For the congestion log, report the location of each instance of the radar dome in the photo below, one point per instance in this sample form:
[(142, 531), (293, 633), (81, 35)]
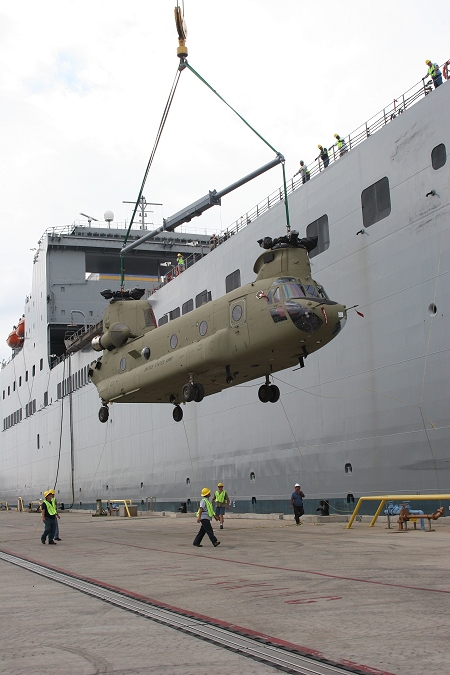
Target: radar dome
[(109, 216)]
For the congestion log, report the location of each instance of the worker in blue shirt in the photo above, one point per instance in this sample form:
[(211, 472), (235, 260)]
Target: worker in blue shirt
[(297, 503)]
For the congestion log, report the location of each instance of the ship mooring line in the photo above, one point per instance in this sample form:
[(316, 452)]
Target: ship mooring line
[(279, 654)]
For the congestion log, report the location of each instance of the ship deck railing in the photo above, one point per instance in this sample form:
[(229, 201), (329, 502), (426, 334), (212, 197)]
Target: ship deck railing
[(386, 498), (363, 132)]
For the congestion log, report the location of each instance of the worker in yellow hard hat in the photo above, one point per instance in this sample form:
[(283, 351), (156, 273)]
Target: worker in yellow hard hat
[(323, 156), (180, 262), (341, 145), (434, 73), (204, 516), (49, 516), (222, 502)]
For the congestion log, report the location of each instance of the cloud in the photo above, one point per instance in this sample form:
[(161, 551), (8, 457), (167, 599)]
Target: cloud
[(65, 73)]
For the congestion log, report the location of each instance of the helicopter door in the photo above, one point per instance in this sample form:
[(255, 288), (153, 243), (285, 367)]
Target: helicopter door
[(238, 322)]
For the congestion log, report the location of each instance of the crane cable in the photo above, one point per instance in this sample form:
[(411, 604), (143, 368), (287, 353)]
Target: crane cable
[(184, 63), (150, 161)]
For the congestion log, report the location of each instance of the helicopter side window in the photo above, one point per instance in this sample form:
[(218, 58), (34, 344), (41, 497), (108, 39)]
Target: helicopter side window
[(311, 291), (293, 291), (276, 297)]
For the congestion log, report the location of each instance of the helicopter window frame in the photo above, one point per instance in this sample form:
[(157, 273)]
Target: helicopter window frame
[(235, 322), (123, 363), (203, 328), (173, 341), (287, 291), (319, 228)]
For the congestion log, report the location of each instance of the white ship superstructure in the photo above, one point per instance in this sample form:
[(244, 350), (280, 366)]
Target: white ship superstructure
[(368, 414)]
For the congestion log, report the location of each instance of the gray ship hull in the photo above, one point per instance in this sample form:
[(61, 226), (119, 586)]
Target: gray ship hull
[(369, 414)]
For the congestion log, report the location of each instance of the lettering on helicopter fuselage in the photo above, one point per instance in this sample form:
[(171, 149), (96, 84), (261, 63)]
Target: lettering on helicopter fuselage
[(160, 363)]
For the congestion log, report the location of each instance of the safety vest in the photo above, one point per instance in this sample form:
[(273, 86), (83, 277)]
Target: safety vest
[(54, 504), (339, 143), (51, 509), (220, 496), (209, 508), (180, 261)]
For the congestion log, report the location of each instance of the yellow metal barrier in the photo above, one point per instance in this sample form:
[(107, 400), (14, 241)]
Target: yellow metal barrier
[(125, 502), (387, 498), (5, 504), (20, 504)]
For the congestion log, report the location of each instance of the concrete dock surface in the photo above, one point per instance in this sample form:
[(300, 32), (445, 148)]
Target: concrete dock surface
[(371, 599)]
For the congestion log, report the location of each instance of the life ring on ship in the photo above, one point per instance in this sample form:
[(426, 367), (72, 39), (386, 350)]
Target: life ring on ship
[(445, 69)]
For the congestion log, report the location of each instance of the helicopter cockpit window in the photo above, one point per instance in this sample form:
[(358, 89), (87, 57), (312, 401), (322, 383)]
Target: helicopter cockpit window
[(276, 295), (293, 291), (311, 291)]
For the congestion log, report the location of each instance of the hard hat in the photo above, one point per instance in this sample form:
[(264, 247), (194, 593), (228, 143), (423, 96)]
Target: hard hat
[(206, 492), (297, 485), (47, 493), (178, 253), (336, 135), (428, 61), (320, 147), (219, 484)]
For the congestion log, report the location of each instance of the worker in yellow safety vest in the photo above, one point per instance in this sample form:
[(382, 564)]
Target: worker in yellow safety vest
[(222, 502), (49, 516), (434, 73), (341, 145), (180, 262), (204, 516)]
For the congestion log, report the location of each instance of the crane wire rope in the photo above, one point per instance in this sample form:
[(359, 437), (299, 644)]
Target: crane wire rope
[(149, 164), (187, 65)]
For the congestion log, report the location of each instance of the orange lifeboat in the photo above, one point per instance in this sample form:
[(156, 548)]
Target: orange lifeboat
[(20, 330), (13, 340)]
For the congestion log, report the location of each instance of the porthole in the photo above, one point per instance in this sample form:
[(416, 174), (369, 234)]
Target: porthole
[(146, 353), (203, 328), (174, 341), (188, 481), (432, 309), (252, 475), (348, 468), (237, 312), (123, 364), (350, 499)]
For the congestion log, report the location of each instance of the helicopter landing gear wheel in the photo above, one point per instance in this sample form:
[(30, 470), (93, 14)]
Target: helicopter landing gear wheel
[(103, 414), (177, 414), (199, 393), (264, 393), (274, 393), (187, 392)]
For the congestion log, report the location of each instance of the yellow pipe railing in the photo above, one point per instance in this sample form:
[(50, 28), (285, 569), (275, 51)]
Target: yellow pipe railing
[(385, 498)]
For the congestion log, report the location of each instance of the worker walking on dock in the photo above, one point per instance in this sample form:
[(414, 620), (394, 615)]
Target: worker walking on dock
[(49, 516), (204, 517), (222, 503), (297, 503)]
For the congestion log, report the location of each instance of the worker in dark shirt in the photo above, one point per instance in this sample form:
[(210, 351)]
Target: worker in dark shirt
[(297, 503), (323, 156), (49, 516)]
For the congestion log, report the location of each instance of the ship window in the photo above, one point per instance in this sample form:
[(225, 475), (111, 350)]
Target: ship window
[(293, 291), (41, 364), (319, 228), (26, 376), (33, 371), (58, 390), (233, 281), (187, 306), (350, 499), (63, 288), (164, 319), (9, 390), (14, 386), (3, 393), (45, 398), (203, 328), (174, 314), (376, 202), (174, 341), (202, 298), (188, 481), (252, 475), (63, 311), (438, 156), (348, 468), (37, 442), (20, 380)]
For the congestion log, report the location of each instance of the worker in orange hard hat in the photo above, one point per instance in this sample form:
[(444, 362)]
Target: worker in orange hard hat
[(434, 73)]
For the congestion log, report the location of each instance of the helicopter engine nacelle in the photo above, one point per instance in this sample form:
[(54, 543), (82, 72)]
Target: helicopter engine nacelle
[(114, 337)]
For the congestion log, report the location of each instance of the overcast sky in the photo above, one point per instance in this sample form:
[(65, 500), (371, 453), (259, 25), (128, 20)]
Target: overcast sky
[(83, 85)]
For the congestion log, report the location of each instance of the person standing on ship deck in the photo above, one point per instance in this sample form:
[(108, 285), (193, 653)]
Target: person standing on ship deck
[(434, 73), (49, 516), (303, 171), (222, 503), (297, 503), (204, 517), (323, 156)]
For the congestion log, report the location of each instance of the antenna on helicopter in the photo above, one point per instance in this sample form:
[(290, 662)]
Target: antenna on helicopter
[(89, 218)]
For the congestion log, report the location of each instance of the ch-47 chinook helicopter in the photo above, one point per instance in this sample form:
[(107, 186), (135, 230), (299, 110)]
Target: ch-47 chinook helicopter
[(271, 324)]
